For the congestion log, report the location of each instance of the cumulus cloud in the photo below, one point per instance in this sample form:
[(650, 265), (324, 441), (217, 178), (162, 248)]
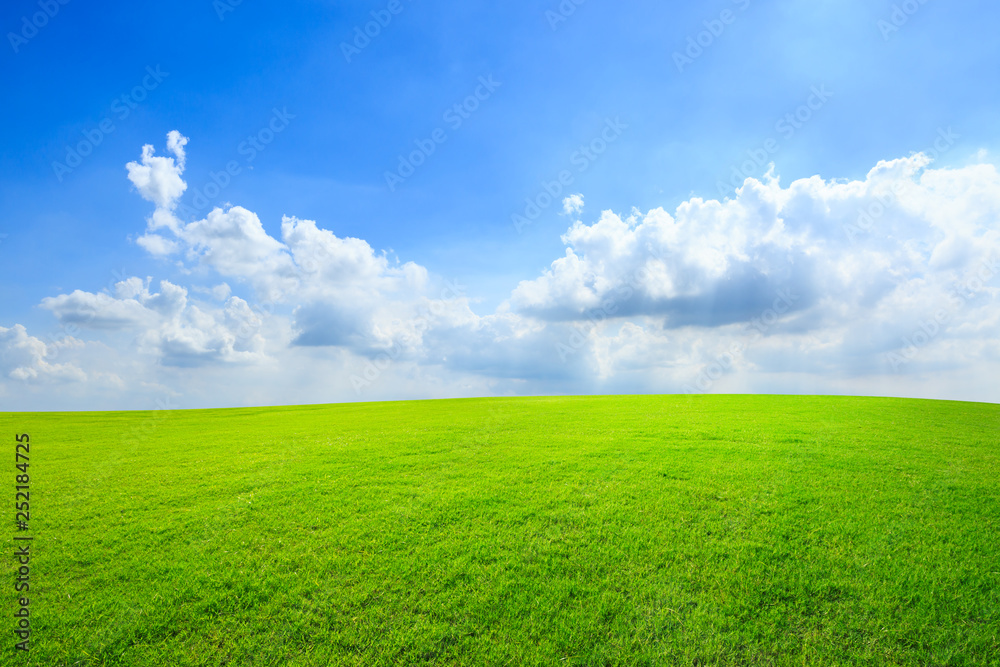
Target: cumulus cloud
[(25, 358), (97, 311), (341, 290), (858, 259), (166, 325), (573, 204), (715, 263), (894, 274), (846, 248), (234, 244), (158, 179), (219, 292), (811, 286)]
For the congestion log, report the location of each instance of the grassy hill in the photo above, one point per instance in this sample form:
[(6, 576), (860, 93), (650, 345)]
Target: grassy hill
[(632, 530)]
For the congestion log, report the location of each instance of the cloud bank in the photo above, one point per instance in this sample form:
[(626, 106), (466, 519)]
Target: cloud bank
[(886, 284)]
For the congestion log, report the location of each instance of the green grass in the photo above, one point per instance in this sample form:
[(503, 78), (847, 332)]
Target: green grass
[(628, 530)]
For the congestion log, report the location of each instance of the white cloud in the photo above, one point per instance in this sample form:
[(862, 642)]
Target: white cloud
[(342, 291), (234, 244), (96, 311), (25, 358), (219, 292), (715, 263), (155, 244), (165, 324), (573, 204), (888, 273), (158, 179), (820, 286)]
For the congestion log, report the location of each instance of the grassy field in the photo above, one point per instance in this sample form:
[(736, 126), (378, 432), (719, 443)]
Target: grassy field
[(629, 530)]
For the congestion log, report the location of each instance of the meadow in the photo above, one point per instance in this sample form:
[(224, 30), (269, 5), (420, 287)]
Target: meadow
[(625, 530)]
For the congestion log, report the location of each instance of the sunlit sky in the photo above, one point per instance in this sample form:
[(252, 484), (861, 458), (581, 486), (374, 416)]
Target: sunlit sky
[(210, 204)]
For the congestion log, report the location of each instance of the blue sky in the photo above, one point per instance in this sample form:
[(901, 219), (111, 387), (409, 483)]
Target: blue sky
[(894, 78)]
